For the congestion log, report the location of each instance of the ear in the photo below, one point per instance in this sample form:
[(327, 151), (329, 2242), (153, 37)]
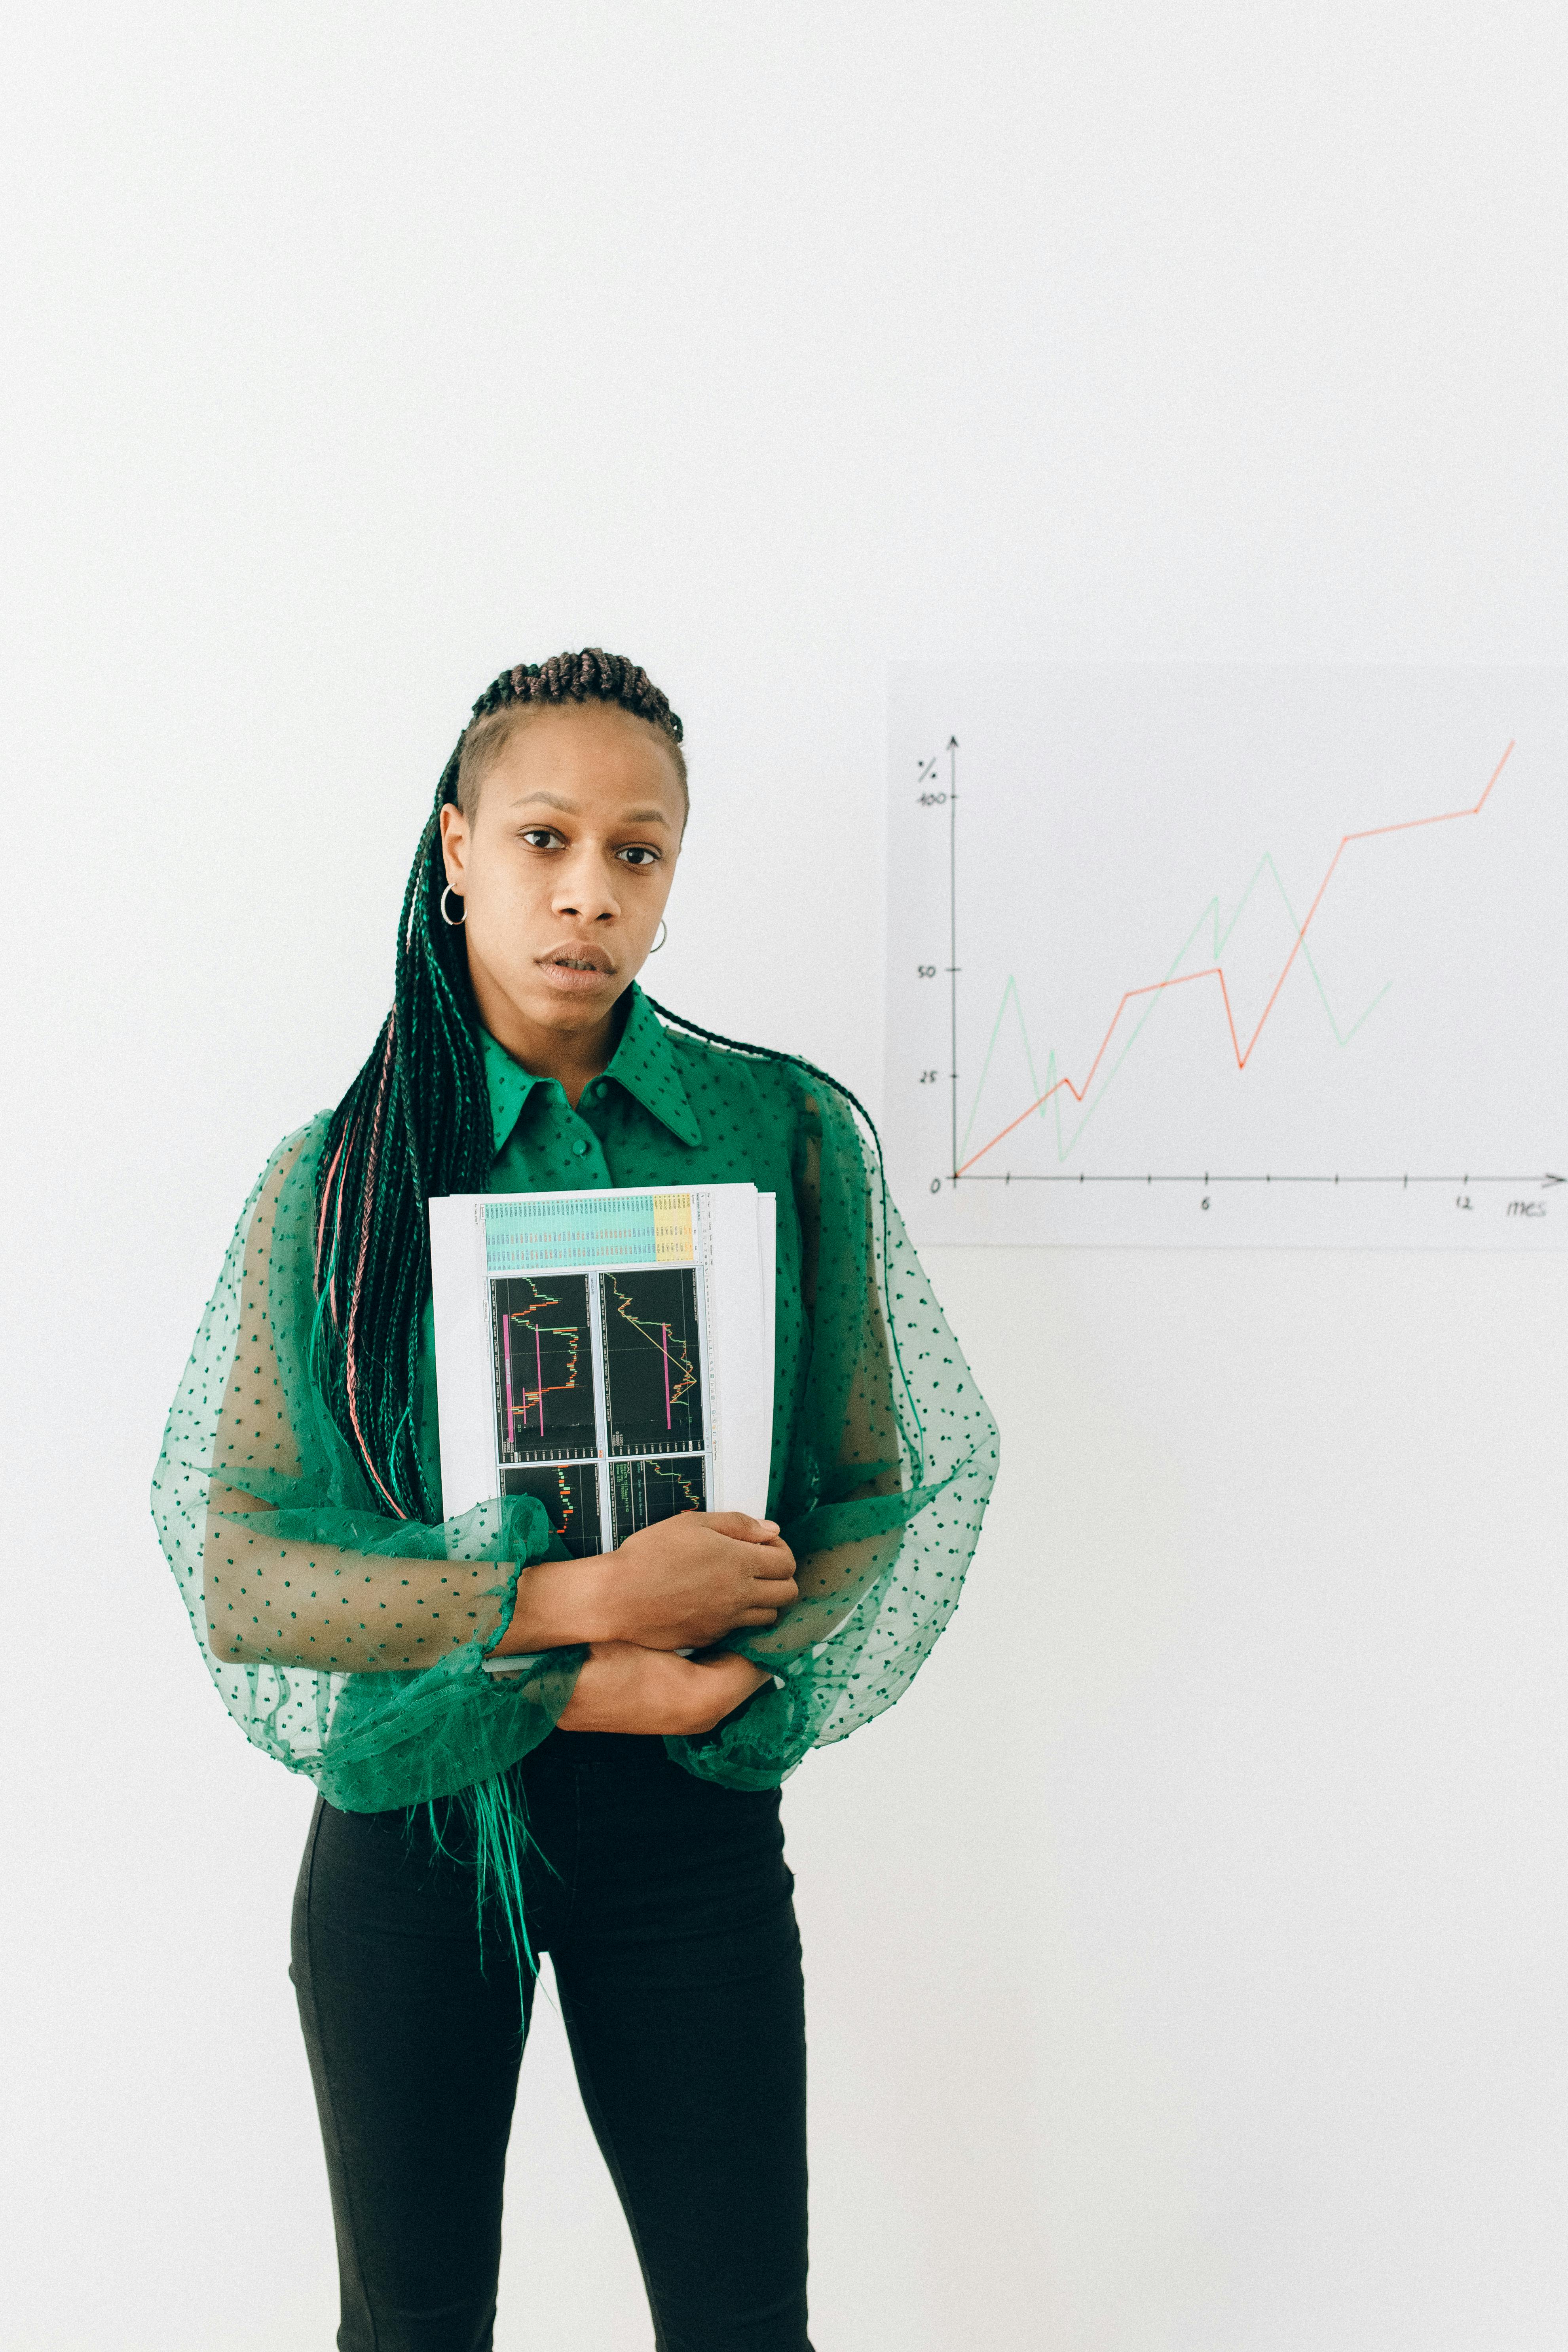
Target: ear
[(455, 838)]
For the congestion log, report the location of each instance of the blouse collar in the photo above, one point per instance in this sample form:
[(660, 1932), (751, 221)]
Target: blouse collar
[(643, 1062)]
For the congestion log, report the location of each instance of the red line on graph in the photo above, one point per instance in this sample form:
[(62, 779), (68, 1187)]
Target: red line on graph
[(1215, 971), (538, 1374)]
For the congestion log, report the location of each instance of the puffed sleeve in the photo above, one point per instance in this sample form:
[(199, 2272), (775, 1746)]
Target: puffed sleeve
[(892, 1457), (347, 1642)]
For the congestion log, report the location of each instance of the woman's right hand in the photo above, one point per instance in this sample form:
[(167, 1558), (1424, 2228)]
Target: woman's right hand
[(685, 1582), (620, 1687), (678, 1585)]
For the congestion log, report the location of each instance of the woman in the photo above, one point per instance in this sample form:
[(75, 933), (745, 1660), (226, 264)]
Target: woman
[(611, 1800)]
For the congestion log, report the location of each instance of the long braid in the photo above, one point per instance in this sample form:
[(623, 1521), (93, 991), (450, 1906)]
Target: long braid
[(768, 1054), (415, 1123), (772, 1054)]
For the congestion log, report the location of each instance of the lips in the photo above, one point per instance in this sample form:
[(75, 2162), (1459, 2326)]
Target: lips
[(578, 958), (574, 967)]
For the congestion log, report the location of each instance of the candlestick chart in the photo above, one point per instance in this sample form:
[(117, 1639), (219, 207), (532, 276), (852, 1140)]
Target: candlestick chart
[(544, 1390), (652, 1387), (569, 1492)]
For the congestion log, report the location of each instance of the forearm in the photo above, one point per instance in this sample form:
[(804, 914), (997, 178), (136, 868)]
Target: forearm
[(681, 1584), (648, 1693), (291, 1603), (562, 1602)]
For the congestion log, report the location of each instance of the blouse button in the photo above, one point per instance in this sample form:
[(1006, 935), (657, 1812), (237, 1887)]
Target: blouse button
[(579, 1147)]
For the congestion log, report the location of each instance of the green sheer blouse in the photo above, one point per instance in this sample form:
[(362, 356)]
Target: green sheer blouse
[(350, 1645)]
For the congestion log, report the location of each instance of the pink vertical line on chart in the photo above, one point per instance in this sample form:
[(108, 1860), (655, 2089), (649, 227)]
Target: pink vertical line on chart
[(510, 1408), (539, 1364), (664, 1341)]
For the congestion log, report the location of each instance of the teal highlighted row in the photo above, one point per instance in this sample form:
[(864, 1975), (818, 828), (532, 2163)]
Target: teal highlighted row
[(528, 1237)]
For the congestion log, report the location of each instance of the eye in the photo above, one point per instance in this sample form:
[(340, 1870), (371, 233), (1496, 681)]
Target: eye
[(639, 856), (540, 836)]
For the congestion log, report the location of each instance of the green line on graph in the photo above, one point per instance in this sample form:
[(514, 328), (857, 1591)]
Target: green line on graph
[(1210, 914)]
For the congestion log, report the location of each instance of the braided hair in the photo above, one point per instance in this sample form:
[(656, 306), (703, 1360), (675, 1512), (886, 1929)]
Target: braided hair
[(415, 1122)]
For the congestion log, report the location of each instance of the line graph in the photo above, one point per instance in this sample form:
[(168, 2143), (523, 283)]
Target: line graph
[(1215, 972), (1019, 903), (643, 1492)]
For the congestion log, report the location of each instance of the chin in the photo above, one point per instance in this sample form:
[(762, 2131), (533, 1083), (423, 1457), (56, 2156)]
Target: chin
[(570, 1008)]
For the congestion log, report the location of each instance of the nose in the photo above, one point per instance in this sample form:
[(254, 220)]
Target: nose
[(584, 886)]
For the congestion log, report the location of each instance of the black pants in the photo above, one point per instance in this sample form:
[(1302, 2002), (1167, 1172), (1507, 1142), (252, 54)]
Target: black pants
[(672, 1927)]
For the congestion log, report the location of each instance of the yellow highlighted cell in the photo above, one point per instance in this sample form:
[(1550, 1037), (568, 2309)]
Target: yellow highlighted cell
[(672, 1227)]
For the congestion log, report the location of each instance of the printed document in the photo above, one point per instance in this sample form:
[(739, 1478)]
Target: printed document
[(610, 1353)]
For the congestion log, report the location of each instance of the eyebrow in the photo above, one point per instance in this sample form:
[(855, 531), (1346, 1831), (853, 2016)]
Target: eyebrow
[(570, 808)]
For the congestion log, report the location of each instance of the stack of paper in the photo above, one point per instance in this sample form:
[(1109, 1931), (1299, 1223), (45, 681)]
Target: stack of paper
[(611, 1353)]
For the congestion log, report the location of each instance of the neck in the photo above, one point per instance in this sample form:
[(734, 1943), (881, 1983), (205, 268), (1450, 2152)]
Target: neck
[(571, 1055)]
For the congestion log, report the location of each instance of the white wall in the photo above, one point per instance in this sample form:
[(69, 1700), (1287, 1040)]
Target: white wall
[(1186, 1950)]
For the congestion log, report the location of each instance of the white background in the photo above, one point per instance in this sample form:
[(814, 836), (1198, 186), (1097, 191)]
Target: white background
[(1186, 1950)]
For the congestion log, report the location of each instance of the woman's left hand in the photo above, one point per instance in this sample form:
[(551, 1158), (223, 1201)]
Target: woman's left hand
[(621, 1687)]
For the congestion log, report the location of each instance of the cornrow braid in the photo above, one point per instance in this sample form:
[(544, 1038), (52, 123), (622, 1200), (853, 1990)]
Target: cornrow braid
[(415, 1123), (589, 676)]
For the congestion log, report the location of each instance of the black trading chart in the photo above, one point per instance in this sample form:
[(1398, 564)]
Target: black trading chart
[(642, 1493), (652, 1379), (569, 1493), (545, 1405), (599, 1374)]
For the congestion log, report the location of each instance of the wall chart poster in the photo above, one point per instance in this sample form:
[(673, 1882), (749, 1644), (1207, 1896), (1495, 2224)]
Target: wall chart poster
[(1201, 955)]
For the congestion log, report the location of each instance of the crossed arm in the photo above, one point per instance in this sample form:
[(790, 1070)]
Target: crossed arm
[(288, 1601), (676, 1586), (679, 1585)]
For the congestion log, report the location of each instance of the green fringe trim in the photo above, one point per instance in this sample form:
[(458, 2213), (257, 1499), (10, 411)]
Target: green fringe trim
[(495, 1814)]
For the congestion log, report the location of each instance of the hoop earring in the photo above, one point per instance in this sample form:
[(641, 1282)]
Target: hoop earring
[(453, 923), (663, 935)]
